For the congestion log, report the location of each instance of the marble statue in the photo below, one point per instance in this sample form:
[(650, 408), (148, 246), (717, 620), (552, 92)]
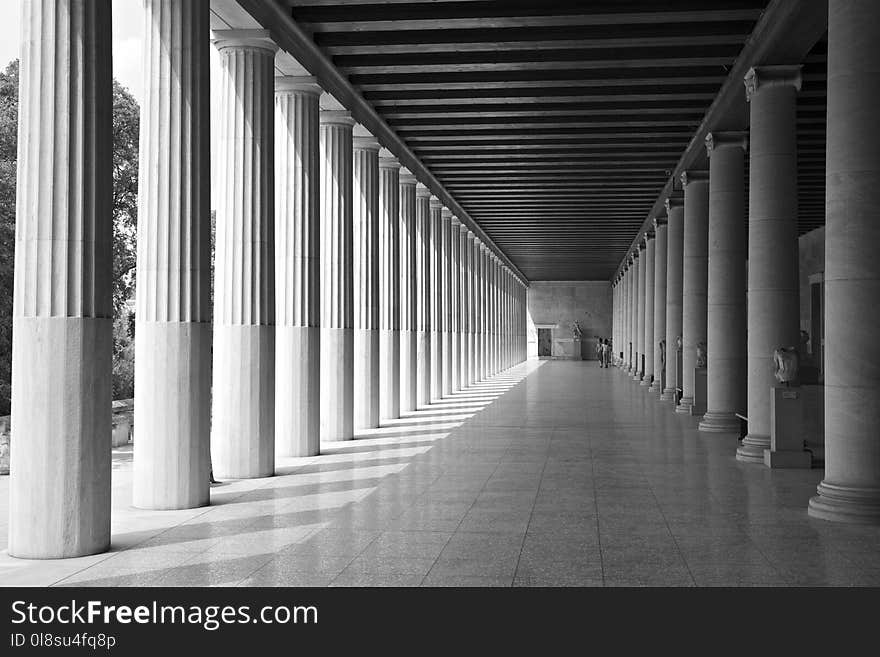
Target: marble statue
[(701, 355), (786, 361), (576, 331)]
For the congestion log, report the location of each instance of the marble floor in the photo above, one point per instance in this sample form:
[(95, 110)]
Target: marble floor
[(554, 473)]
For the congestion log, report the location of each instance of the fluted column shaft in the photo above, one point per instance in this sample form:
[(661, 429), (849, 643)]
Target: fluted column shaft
[(850, 491), (446, 295), (423, 296), (674, 244), (484, 312), (641, 268), (726, 300), (408, 291), (365, 238), (59, 489), (773, 294), (659, 333), (478, 310), (436, 296), (636, 313), (455, 285), (172, 411), (243, 392), (648, 340), (297, 267), (389, 288), (695, 263), (337, 277), (471, 311), (465, 306)]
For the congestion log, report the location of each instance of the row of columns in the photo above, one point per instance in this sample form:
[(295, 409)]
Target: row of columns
[(706, 286), (344, 292)]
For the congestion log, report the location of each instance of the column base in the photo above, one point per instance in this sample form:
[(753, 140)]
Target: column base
[(720, 423), (655, 386), (785, 458), (637, 377), (647, 381), (668, 395), (684, 405), (841, 503), (752, 449)]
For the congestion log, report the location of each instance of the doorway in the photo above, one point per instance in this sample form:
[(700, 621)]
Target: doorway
[(545, 343)]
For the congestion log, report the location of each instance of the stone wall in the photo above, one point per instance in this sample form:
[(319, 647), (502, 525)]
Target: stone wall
[(560, 303)]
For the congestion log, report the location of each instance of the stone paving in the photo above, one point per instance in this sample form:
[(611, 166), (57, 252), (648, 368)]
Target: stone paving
[(553, 473)]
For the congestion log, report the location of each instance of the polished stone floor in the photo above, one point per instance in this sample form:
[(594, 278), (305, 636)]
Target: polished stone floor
[(553, 474)]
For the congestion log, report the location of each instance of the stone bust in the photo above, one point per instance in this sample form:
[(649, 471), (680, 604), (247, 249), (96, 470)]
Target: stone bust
[(786, 361)]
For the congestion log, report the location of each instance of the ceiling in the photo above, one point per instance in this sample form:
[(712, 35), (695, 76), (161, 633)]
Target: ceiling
[(553, 124)]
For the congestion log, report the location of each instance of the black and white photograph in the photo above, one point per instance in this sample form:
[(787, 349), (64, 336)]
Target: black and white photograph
[(323, 295)]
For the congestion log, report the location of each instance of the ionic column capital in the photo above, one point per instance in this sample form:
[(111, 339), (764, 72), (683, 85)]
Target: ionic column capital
[(422, 191), (649, 235), (446, 214), (643, 243), (772, 76), (660, 221), (289, 85), (435, 202), (694, 176), (455, 221), (244, 40), (462, 227), (739, 139), (471, 236)]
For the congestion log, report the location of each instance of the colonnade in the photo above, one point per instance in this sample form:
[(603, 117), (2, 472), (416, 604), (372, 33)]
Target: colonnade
[(344, 291), (736, 300)]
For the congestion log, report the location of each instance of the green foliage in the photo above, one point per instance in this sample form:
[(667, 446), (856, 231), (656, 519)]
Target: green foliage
[(126, 125)]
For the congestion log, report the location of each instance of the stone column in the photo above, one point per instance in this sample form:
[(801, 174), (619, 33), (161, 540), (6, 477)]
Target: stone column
[(243, 392), (624, 315), (436, 295), (635, 296), (455, 284), (773, 302), (479, 355), (408, 290), (59, 489), (365, 264), (173, 320), (389, 287), (297, 267), (726, 304), (695, 263), (641, 308), (465, 306), (850, 491), (484, 311), (648, 341), (446, 294), (472, 313), (659, 335), (337, 277), (494, 314), (423, 295), (674, 243)]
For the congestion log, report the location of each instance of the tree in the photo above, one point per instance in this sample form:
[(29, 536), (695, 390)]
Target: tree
[(126, 126)]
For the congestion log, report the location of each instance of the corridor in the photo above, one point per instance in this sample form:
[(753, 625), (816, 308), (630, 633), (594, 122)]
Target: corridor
[(555, 473)]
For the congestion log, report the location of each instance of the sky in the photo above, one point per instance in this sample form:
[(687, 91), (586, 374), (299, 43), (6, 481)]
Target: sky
[(128, 32)]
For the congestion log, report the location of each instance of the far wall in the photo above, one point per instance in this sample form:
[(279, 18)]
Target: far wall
[(560, 303)]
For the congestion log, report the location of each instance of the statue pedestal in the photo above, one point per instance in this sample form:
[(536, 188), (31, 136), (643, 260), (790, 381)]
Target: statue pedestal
[(787, 430), (568, 349)]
